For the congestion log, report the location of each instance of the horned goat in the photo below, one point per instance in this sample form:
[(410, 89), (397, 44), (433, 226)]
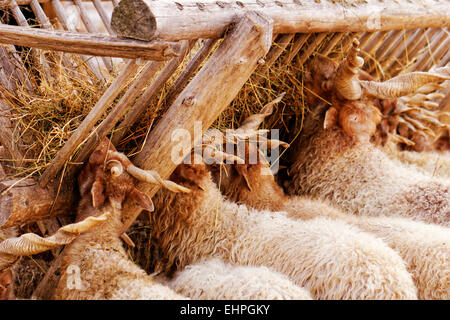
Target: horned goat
[(95, 265), (214, 279), (335, 160), (331, 259), (424, 247)]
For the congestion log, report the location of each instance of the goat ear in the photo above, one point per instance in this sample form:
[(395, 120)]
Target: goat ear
[(331, 118), (98, 198), (242, 170), (141, 199), (6, 277)]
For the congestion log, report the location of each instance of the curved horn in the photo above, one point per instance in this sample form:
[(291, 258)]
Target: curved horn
[(399, 139), (401, 85), (255, 120), (150, 176), (346, 80), (220, 157), (12, 249), (115, 166)]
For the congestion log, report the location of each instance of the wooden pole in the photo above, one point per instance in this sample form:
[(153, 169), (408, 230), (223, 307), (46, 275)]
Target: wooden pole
[(205, 97), (90, 27), (145, 99), (190, 70), (171, 20), (24, 201), (118, 110), (84, 43)]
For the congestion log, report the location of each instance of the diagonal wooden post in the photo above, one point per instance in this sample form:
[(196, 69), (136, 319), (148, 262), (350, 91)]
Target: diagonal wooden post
[(205, 97), (89, 122)]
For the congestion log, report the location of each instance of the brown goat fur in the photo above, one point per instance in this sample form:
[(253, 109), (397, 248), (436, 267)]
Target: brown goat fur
[(6, 285)]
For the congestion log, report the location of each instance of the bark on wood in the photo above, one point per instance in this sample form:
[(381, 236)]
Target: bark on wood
[(296, 46), (205, 97), (89, 122), (90, 27), (149, 93), (119, 110), (331, 44), (171, 20), (190, 70), (68, 25), (84, 43), (26, 202), (312, 46)]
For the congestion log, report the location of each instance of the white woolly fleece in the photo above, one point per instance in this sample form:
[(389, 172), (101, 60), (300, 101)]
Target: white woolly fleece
[(215, 279)]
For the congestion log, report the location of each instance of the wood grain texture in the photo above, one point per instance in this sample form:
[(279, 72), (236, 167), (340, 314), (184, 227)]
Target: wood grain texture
[(90, 44), (171, 20)]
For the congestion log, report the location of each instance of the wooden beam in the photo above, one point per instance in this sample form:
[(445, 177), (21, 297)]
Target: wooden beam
[(24, 201), (171, 20), (205, 97), (190, 70), (150, 92), (84, 43), (118, 110)]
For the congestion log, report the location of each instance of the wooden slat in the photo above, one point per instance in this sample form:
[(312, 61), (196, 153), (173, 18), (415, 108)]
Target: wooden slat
[(85, 43), (318, 38), (190, 70), (149, 93), (299, 41), (67, 25), (90, 27)]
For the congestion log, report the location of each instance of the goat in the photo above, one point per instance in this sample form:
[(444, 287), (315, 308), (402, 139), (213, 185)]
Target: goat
[(214, 279), (331, 259), (424, 247), (95, 265), (341, 165)]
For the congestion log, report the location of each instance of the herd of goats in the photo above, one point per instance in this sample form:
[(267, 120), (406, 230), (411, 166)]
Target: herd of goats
[(352, 220)]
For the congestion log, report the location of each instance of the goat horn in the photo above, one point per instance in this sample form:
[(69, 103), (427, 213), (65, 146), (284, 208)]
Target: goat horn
[(430, 87), (272, 143), (254, 121), (397, 138), (419, 125), (346, 82), (401, 85), (221, 157), (115, 166), (150, 176), (431, 119), (407, 123), (12, 249)]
